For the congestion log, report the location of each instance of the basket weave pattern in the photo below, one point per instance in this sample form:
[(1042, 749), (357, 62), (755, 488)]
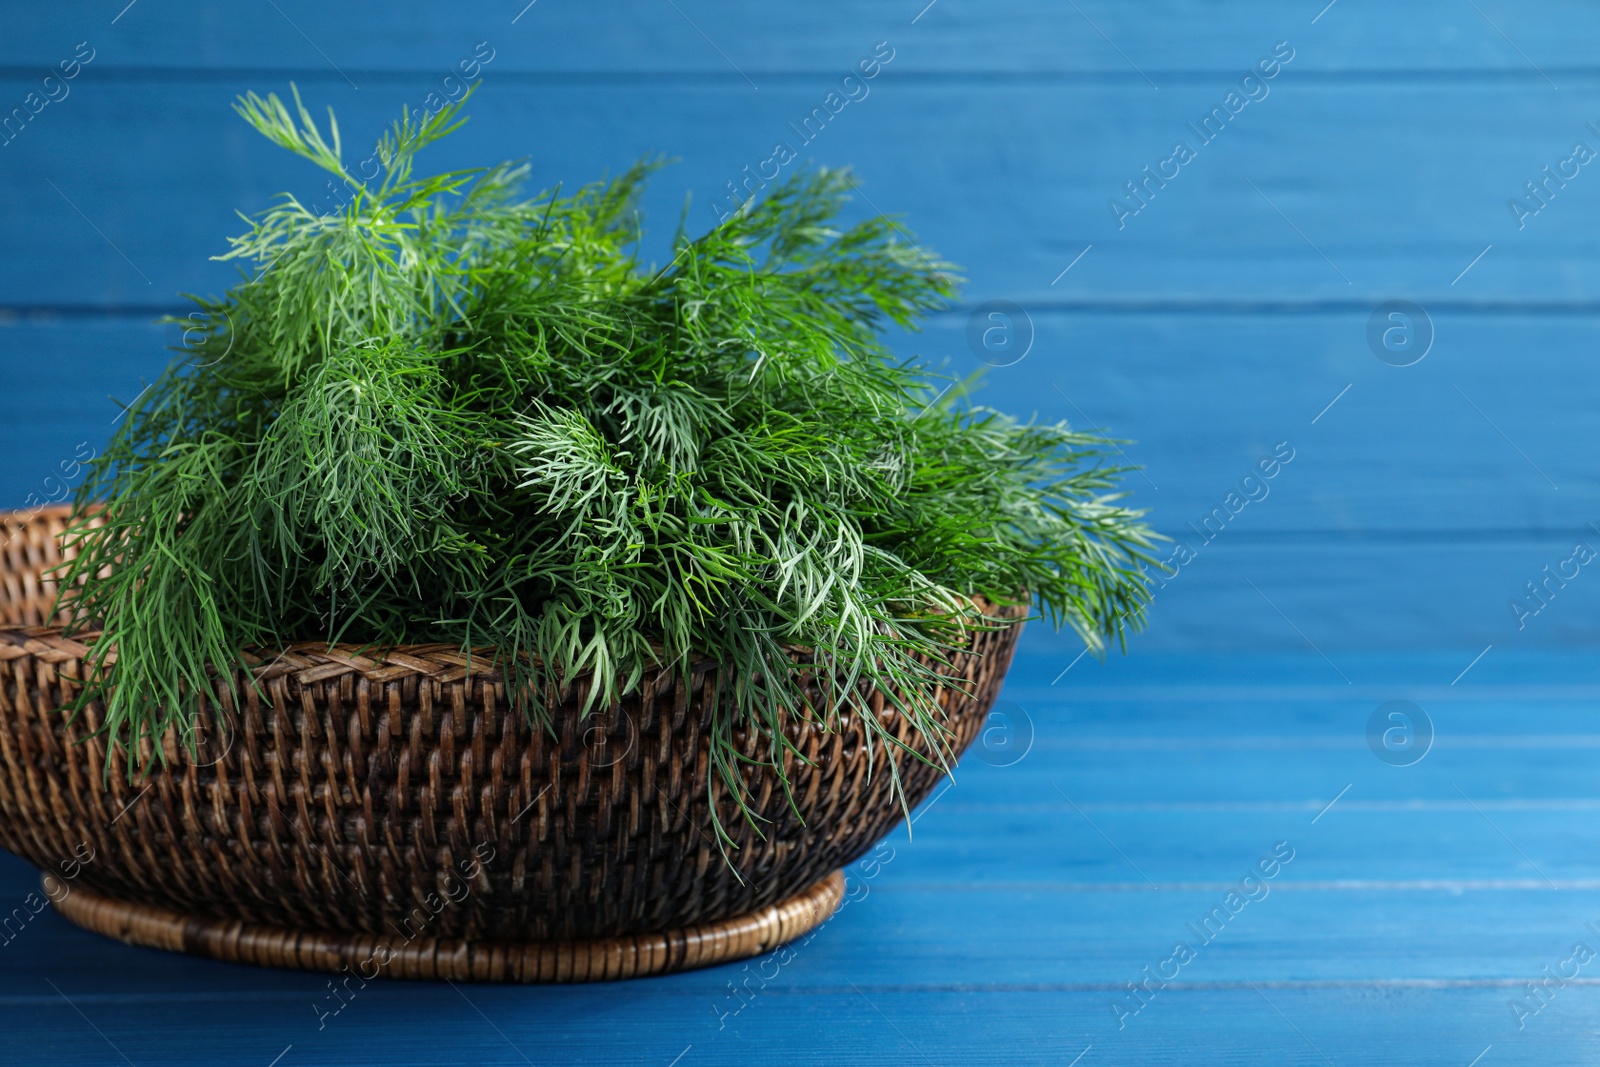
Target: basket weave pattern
[(401, 794)]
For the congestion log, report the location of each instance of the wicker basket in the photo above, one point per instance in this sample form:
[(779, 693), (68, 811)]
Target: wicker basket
[(395, 816)]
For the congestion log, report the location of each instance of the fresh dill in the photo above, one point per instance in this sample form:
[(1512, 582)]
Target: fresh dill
[(452, 412)]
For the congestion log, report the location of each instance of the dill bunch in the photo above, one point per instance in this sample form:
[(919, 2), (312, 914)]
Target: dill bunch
[(452, 412)]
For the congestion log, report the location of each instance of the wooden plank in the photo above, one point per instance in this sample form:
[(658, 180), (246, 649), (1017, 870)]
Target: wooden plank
[(1340, 597), (1487, 768), (62, 375), (1464, 439), (1205, 398), (1199, 680), (1032, 193), (1381, 846), (1232, 1026), (1099, 38)]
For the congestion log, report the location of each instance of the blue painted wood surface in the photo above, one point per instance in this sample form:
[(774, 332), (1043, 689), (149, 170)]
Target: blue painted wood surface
[(1077, 843), (1222, 318), (1228, 315)]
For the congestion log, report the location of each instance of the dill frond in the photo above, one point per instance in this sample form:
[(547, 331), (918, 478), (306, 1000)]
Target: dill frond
[(451, 412)]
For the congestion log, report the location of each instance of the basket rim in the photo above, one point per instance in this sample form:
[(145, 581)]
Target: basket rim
[(312, 661)]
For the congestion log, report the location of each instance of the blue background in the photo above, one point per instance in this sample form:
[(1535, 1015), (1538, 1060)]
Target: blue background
[(1220, 321), (1229, 315)]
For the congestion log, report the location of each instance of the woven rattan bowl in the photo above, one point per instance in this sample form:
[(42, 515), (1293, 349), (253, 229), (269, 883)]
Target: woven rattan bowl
[(393, 815)]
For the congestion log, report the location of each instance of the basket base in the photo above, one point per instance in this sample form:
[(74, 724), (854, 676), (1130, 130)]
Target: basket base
[(367, 956)]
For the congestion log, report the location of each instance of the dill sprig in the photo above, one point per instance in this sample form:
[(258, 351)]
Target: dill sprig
[(451, 412)]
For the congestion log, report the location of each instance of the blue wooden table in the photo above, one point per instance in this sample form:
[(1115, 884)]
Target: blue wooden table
[(1337, 903), (1095, 883)]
